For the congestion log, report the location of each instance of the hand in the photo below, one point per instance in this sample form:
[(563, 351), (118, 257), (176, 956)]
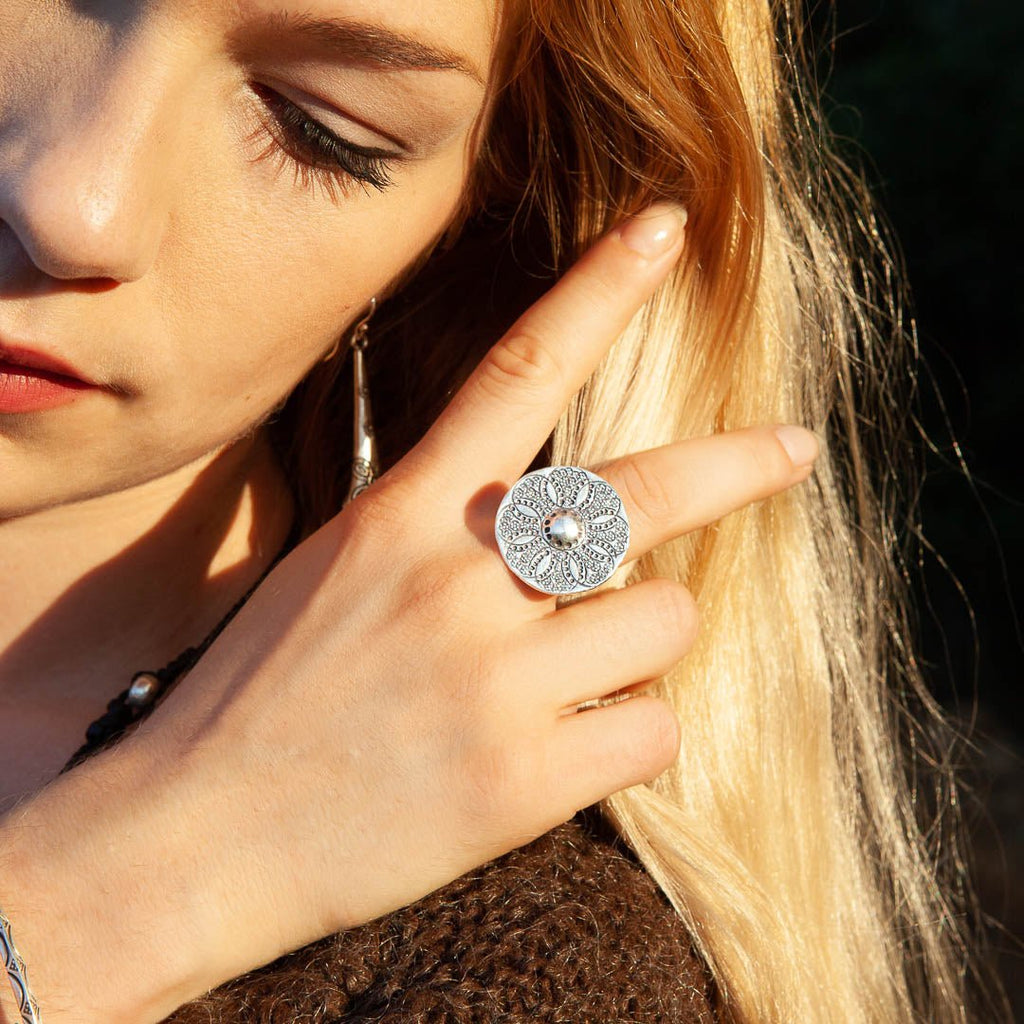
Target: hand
[(393, 707)]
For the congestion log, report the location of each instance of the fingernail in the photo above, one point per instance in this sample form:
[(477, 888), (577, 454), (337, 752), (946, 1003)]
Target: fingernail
[(801, 445), (655, 231)]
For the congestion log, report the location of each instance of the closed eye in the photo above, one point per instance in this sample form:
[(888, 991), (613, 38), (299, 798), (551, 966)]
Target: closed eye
[(317, 155)]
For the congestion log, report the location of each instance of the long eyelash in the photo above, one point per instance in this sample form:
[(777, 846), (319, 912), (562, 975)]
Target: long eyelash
[(316, 154)]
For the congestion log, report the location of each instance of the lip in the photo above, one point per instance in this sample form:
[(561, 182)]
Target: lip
[(33, 381), (34, 359)]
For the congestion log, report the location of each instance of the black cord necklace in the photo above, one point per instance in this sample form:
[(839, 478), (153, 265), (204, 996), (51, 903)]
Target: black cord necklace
[(133, 703)]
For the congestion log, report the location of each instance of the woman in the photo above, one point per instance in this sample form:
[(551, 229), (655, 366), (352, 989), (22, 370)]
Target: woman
[(392, 708)]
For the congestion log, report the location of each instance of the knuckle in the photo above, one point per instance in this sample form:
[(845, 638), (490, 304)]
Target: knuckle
[(477, 689), (520, 361), (645, 491), (674, 608), (433, 590), (379, 514), (599, 284), (656, 738), (665, 735), (497, 780)]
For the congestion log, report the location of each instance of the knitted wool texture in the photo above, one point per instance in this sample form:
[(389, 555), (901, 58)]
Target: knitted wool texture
[(567, 929)]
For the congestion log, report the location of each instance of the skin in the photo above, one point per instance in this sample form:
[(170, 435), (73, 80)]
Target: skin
[(148, 239), (392, 766)]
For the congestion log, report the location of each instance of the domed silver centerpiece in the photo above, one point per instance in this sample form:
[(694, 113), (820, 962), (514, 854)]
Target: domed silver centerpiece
[(562, 529)]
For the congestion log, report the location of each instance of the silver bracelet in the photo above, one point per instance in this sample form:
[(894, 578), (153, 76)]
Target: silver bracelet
[(27, 1005)]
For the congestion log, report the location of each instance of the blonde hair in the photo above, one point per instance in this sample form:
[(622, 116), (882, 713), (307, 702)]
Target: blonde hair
[(785, 835)]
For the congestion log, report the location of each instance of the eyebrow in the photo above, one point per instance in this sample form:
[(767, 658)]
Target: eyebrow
[(367, 42)]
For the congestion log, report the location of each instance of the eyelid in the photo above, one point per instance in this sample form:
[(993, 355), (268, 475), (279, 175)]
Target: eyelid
[(316, 154), (303, 100)]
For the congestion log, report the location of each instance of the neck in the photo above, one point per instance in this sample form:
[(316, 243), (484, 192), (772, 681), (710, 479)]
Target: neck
[(101, 589)]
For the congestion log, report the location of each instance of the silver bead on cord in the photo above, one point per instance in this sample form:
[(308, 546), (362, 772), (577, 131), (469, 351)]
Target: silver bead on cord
[(144, 689)]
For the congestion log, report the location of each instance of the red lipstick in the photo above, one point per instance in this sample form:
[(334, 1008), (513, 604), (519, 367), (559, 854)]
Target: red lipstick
[(32, 381)]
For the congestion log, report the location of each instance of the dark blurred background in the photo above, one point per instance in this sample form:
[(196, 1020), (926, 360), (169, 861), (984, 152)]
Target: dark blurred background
[(929, 96)]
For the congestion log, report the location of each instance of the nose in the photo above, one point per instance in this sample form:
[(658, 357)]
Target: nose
[(83, 163)]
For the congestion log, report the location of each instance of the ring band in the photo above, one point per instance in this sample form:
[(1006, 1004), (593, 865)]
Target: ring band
[(562, 529)]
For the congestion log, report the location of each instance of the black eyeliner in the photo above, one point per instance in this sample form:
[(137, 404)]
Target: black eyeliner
[(317, 146)]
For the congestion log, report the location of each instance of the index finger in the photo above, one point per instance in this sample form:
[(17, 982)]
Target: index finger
[(500, 417)]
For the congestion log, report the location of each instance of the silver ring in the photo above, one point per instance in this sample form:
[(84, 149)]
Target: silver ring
[(562, 529)]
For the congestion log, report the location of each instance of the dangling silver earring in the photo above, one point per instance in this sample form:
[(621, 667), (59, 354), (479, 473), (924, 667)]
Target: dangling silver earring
[(365, 467)]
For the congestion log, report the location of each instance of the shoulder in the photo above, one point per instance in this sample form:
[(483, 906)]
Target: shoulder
[(569, 928)]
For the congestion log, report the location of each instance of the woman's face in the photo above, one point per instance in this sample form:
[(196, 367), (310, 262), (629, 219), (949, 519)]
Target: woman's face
[(196, 198)]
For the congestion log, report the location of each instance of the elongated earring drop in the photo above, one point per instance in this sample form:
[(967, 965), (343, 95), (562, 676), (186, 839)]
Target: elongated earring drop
[(365, 467)]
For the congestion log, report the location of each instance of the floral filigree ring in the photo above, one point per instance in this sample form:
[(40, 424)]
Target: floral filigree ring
[(562, 529)]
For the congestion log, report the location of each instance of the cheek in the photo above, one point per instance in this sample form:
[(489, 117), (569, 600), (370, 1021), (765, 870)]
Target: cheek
[(271, 285)]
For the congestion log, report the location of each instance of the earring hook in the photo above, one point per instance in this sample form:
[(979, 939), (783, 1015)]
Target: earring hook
[(360, 334)]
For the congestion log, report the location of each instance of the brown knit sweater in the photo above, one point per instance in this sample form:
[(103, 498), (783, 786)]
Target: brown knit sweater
[(567, 929)]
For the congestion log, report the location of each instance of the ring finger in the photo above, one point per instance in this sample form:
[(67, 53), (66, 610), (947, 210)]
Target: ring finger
[(679, 487)]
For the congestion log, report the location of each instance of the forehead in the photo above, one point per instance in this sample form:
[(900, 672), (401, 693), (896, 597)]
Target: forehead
[(405, 33)]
